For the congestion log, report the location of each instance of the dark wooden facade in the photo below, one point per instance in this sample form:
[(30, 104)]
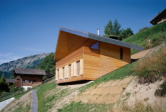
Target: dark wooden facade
[(30, 78), (161, 17)]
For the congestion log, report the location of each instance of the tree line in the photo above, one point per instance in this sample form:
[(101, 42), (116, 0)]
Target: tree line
[(114, 29)]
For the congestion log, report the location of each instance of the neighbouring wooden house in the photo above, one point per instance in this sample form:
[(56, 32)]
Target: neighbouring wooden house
[(28, 78), (86, 56), (161, 17)]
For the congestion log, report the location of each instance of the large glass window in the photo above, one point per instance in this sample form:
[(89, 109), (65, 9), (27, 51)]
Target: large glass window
[(95, 46)]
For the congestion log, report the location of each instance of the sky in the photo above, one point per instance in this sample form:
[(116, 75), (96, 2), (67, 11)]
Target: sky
[(29, 27)]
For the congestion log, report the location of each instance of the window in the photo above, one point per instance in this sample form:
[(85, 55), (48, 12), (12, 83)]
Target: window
[(95, 46), (27, 81), (63, 69), (34, 81), (121, 53), (57, 74), (70, 70), (78, 67)]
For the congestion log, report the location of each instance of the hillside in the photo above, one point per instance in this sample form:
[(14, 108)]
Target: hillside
[(139, 86), (127, 89), (149, 38), (26, 62), (48, 64), (145, 93)]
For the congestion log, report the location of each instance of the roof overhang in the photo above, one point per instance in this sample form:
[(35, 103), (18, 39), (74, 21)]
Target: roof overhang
[(70, 40), (25, 71), (158, 17)]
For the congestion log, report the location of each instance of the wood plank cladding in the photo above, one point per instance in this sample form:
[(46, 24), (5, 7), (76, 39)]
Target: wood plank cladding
[(75, 56), (106, 60), (70, 43), (68, 67), (94, 63), (33, 80)]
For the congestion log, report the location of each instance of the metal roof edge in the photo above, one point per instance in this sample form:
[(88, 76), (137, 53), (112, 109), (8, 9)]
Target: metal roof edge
[(73, 31), (101, 38), (113, 41)]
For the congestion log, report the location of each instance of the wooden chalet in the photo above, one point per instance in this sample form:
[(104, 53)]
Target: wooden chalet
[(86, 56), (28, 78), (161, 17)]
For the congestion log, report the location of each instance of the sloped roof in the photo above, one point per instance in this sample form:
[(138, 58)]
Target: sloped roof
[(29, 71), (11, 80), (158, 17), (85, 38)]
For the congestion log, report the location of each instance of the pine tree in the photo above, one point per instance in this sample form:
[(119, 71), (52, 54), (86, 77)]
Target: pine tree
[(112, 29), (126, 33), (3, 84)]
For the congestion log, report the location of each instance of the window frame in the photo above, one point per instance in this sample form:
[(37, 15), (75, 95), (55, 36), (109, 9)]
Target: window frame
[(121, 53), (69, 70), (78, 67)]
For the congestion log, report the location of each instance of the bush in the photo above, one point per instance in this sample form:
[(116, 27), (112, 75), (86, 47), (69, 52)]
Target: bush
[(4, 93), (151, 68), (162, 90), (13, 88), (20, 89)]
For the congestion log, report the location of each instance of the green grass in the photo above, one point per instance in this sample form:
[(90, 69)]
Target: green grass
[(21, 108), (117, 74), (49, 95), (42, 101), (121, 107), (153, 67), (156, 34), (21, 94), (82, 107), (121, 73)]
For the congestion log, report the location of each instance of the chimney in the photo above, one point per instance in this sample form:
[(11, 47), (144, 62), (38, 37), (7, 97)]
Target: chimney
[(97, 31)]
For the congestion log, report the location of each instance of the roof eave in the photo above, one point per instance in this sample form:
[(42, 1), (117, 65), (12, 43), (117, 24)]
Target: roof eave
[(98, 38)]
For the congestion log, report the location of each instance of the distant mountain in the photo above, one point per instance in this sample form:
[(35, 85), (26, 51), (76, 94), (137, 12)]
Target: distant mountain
[(26, 62)]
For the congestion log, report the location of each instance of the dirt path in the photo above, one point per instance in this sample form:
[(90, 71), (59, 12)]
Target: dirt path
[(105, 93), (146, 52), (140, 54)]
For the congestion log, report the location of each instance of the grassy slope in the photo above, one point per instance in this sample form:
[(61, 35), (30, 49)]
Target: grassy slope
[(42, 107), (118, 74), (131, 69), (46, 103), (156, 34)]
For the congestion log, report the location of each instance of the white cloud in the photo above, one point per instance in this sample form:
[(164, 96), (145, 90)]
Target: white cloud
[(30, 49), (8, 57)]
